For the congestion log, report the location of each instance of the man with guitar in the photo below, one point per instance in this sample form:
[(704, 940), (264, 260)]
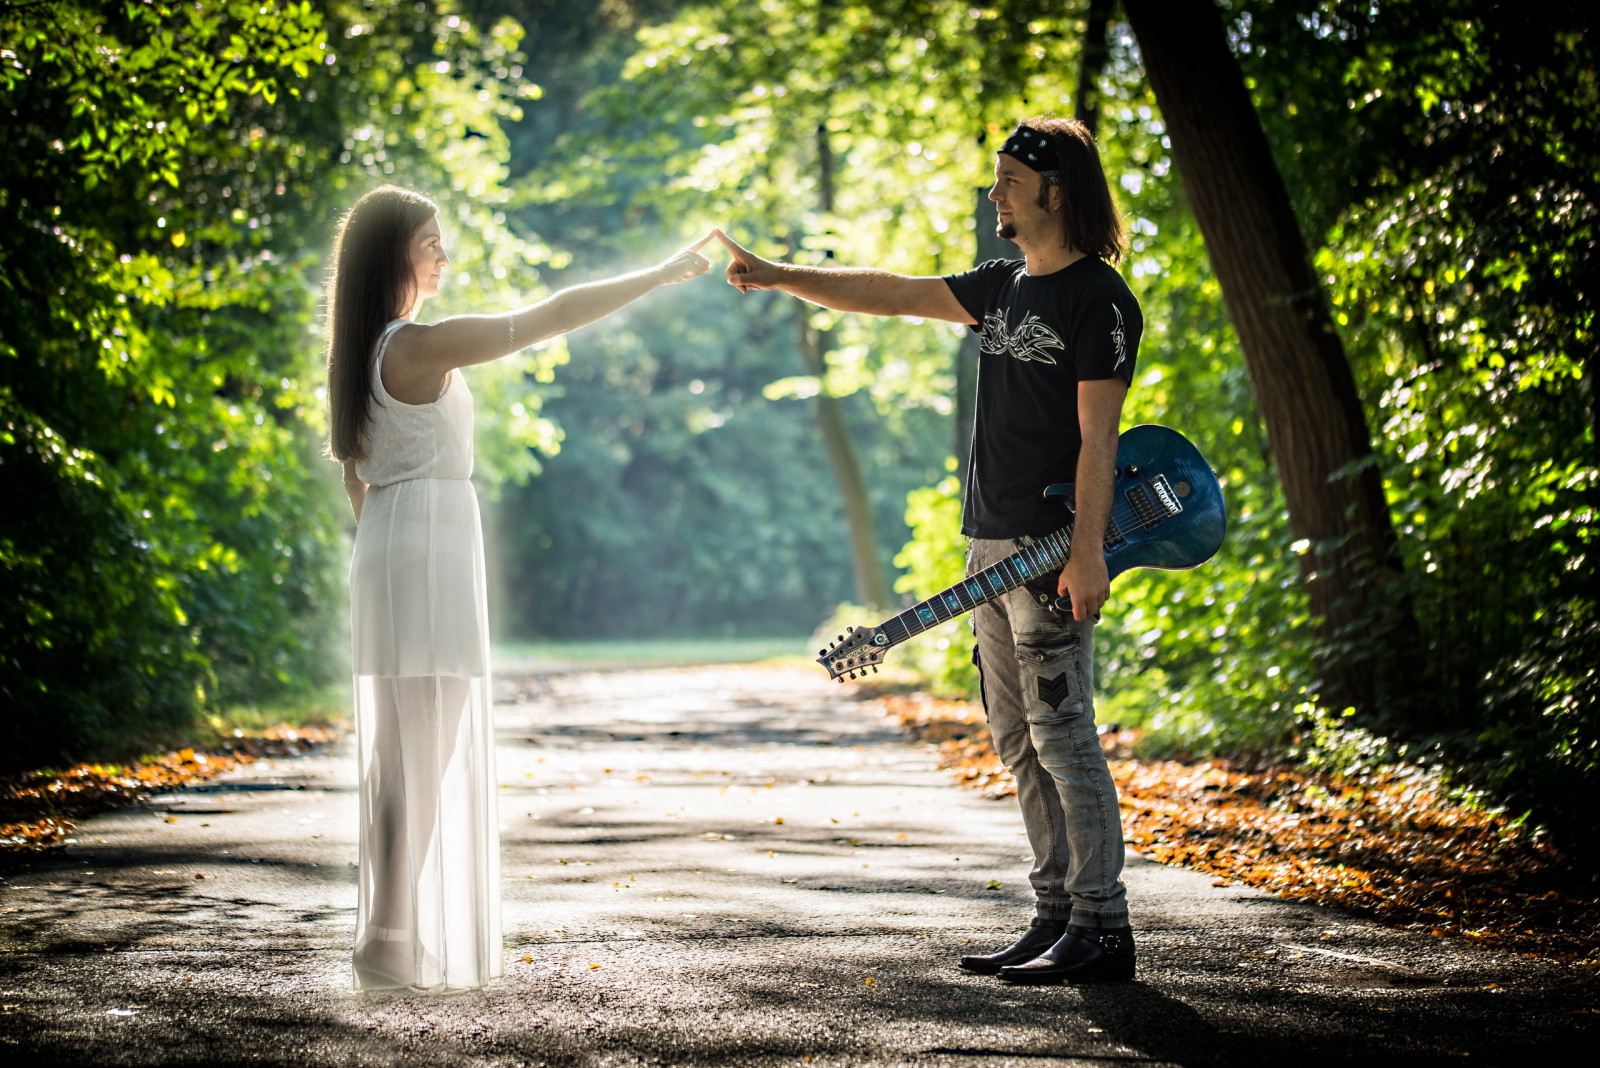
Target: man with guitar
[(1060, 333)]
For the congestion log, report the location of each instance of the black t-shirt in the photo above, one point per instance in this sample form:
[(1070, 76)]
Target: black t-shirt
[(1042, 335)]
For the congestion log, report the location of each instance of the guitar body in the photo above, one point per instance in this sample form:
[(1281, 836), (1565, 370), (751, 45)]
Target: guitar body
[(1190, 538), (1167, 512)]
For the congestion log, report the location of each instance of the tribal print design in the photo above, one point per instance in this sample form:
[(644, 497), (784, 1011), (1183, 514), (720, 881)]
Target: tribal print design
[(1119, 339), (1029, 342)]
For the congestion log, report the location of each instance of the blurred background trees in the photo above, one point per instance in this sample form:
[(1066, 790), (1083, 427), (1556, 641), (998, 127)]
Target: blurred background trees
[(716, 464)]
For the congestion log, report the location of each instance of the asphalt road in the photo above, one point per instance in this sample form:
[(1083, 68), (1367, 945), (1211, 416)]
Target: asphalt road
[(717, 866)]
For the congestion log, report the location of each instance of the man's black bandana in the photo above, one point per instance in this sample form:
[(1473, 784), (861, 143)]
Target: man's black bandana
[(1033, 149)]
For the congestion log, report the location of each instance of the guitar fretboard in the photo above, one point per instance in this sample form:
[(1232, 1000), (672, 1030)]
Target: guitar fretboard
[(1041, 558)]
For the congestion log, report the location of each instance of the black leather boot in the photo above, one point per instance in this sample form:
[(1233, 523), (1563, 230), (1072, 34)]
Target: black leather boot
[(1038, 938), (1083, 955)]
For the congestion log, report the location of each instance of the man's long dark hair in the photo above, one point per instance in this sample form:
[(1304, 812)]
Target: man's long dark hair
[(1089, 219), (369, 283)]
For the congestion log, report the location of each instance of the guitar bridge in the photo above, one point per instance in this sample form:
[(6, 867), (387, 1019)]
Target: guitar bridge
[(1152, 501), (1163, 490)]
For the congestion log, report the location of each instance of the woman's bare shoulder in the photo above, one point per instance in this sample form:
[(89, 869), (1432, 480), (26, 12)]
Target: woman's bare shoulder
[(411, 372)]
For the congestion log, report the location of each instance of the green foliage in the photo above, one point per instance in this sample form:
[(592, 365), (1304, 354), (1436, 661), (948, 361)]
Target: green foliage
[(140, 574), (680, 527), (173, 543), (682, 500), (707, 503), (933, 560), (1455, 214)]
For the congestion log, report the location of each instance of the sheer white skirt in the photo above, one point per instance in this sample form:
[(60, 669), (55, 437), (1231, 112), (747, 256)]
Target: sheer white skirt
[(428, 902)]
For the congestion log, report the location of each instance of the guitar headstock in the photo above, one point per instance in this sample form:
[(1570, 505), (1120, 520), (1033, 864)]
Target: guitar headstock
[(856, 650)]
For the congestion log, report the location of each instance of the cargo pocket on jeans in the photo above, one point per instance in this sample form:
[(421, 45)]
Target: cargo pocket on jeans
[(1052, 678)]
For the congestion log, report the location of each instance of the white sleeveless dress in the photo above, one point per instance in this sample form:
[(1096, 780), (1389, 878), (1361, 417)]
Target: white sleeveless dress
[(428, 908)]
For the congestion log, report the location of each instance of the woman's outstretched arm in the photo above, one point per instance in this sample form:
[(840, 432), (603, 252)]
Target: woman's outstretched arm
[(421, 355)]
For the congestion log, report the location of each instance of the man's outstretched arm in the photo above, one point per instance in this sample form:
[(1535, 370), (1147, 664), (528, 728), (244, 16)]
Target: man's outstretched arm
[(850, 289)]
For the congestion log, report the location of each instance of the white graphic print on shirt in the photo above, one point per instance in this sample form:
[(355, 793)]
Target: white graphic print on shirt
[(1033, 340), (1029, 342), (1119, 339)]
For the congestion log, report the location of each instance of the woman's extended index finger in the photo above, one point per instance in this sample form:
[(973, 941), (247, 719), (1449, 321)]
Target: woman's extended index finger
[(700, 244)]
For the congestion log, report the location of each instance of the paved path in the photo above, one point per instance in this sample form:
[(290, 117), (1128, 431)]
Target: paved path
[(731, 866)]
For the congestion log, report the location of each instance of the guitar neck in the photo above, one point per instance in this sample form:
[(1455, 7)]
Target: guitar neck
[(1041, 558)]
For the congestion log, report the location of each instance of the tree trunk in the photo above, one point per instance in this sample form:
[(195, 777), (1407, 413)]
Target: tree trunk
[(872, 584), (1367, 636), (1093, 63)]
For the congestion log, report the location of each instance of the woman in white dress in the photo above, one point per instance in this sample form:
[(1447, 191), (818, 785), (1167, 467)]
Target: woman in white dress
[(428, 905)]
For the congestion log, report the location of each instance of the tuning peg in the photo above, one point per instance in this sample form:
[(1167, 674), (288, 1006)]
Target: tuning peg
[(850, 630), (822, 652), (840, 638)]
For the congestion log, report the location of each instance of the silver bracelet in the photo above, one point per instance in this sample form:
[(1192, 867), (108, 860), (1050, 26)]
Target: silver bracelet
[(511, 331)]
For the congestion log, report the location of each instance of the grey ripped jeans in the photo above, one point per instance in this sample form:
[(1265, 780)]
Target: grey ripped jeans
[(1037, 670)]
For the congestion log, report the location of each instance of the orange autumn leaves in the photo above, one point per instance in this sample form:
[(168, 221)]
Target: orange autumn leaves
[(1390, 843), (39, 810)]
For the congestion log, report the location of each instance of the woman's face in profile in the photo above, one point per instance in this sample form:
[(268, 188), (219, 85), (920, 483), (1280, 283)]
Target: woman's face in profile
[(428, 259)]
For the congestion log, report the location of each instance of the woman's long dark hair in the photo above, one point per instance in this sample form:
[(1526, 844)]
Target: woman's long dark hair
[(1089, 219), (369, 284)]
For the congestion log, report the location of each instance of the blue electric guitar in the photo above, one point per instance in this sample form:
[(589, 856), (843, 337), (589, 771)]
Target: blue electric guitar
[(1166, 512)]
